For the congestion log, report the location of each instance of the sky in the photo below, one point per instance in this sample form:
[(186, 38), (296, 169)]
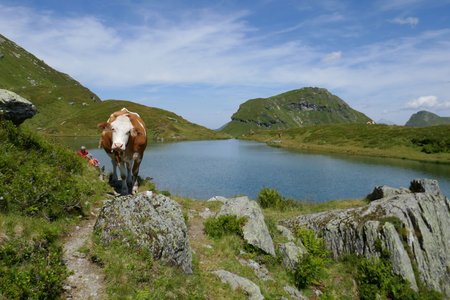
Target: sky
[(202, 59)]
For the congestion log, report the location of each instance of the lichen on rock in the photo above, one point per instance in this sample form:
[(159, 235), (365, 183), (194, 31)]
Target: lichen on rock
[(152, 221)]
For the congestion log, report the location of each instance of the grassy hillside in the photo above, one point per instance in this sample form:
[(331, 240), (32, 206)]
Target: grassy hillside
[(425, 118), (43, 190), (67, 108), (425, 144), (293, 109)]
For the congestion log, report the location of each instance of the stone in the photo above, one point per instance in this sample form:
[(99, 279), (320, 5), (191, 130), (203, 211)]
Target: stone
[(260, 271), (413, 227), (286, 233), (148, 220), (237, 282), (290, 254), (384, 191), (217, 198), (294, 293), (206, 213), (15, 108), (255, 231)]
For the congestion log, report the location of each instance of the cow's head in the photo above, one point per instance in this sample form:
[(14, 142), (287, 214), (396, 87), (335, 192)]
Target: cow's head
[(121, 129)]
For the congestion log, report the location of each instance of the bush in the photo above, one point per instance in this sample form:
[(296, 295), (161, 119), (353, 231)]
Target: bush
[(224, 225), (374, 276), (312, 266), (34, 268), (271, 198), (41, 179)]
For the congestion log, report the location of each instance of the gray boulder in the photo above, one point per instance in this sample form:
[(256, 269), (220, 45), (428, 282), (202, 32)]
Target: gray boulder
[(15, 108), (414, 227), (151, 221), (294, 293), (290, 254), (255, 230), (237, 282), (384, 191)]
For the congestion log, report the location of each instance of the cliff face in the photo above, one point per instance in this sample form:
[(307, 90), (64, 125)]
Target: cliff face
[(293, 109), (413, 226)]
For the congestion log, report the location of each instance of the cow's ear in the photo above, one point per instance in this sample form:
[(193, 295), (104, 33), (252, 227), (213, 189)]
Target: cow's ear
[(104, 126), (134, 132)]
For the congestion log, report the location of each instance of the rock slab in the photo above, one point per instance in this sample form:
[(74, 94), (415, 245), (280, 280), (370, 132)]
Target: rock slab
[(15, 108), (255, 230), (151, 221), (414, 226)]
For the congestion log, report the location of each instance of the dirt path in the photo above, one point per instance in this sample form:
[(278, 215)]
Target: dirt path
[(87, 280)]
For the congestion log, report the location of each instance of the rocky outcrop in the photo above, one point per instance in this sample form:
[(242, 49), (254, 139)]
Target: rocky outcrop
[(255, 231), (413, 226), (151, 221), (237, 282), (15, 108)]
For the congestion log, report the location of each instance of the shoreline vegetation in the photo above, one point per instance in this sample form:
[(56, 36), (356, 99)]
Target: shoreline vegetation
[(425, 144)]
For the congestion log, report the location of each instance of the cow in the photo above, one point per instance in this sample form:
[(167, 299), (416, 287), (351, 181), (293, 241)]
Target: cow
[(124, 139)]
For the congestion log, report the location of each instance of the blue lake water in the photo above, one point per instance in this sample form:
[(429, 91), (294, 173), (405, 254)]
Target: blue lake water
[(202, 169)]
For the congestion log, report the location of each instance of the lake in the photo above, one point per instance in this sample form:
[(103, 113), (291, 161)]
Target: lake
[(202, 169)]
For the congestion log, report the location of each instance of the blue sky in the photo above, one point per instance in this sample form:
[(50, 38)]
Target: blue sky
[(201, 59)]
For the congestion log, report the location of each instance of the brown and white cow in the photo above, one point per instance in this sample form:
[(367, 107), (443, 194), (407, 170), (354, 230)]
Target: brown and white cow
[(124, 139)]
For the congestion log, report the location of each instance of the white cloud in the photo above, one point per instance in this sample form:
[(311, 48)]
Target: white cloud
[(224, 50), (427, 102), (332, 57), (411, 21)]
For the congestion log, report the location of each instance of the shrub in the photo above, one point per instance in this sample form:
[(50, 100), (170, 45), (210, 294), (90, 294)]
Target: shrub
[(311, 267), (41, 179), (224, 225), (34, 268), (271, 198), (374, 276)]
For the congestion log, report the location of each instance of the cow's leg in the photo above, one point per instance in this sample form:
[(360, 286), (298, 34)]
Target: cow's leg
[(129, 175), (114, 167), (123, 176), (136, 165)]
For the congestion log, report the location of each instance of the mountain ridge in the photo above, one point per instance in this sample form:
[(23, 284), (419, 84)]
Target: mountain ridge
[(68, 108), (292, 109), (425, 118)]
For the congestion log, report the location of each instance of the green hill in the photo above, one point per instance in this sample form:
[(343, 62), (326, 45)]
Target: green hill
[(68, 108), (425, 118), (293, 109)]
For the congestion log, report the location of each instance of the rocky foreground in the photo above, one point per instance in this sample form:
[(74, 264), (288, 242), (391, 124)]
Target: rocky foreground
[(411, 226)]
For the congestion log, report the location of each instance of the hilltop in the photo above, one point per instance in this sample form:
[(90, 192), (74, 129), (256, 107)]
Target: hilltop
[(68, 108), (293, 109), (425, 118)]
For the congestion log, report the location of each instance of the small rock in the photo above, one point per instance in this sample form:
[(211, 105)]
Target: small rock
[(237, 282), (294, 293), (286, 233), (260, 271), (290, 254), (206, 213), (217, 198)]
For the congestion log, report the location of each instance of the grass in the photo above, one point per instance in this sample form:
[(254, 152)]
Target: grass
[(361, 139), (44, 189), (67, 108)]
